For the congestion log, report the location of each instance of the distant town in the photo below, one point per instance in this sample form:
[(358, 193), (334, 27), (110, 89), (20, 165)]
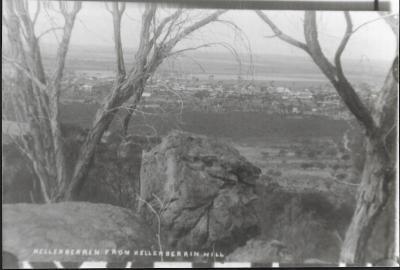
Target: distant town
[(171, 93)]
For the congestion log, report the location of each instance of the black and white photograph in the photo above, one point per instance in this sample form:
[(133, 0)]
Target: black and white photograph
[(141, 134)]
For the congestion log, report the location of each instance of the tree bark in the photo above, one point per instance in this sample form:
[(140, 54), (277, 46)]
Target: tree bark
[(372, 197), (103, 119), (376, 189)]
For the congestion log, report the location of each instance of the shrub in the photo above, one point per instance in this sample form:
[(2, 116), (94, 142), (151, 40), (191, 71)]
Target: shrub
[(305, 222), (303, 233)]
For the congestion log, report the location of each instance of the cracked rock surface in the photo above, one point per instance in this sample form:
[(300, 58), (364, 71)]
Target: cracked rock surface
[(203, 190)]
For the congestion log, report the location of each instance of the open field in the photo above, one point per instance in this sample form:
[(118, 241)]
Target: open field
[(234, 125)]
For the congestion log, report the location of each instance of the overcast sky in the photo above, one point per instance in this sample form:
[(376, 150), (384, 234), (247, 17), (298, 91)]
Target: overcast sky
[(373, 41)]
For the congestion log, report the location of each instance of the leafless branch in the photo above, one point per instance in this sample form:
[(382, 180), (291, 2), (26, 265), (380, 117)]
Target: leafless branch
[(383, 16), (158, 216), (38, 95), (48, 31), (207, 45), (37, 12), (392, 20), (148, 57), (175, 93), (117, 12), (108, 8), (25, 71), (334, 73), (191, 28), (343, 44), (271, 36), (169, 19), (69, 17), (280, 34)]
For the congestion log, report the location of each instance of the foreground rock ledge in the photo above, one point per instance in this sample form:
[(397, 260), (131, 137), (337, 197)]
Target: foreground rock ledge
[(72, 225), (205, 189), (261, 251)]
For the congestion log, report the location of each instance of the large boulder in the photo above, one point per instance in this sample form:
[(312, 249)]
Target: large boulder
[(32, 231), (202, 189)]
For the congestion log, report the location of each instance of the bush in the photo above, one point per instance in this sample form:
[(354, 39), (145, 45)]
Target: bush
[(305, 235), (303, 222)]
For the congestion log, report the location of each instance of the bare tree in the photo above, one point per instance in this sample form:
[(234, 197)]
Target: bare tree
[(157, 41), (35, 96), (377, 183)]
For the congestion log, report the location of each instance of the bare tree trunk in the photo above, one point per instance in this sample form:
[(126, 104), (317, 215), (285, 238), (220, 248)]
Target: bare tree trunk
[(149, 56), (376, 189), (36, 97), (372, 197), (127, 120), (380, 129), (102, 122)]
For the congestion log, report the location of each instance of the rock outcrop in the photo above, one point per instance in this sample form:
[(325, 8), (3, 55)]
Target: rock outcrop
[(202, 189), (261, 251), (72, 225)]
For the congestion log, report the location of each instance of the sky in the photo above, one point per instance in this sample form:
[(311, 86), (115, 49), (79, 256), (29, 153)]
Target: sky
[(373, 41)]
